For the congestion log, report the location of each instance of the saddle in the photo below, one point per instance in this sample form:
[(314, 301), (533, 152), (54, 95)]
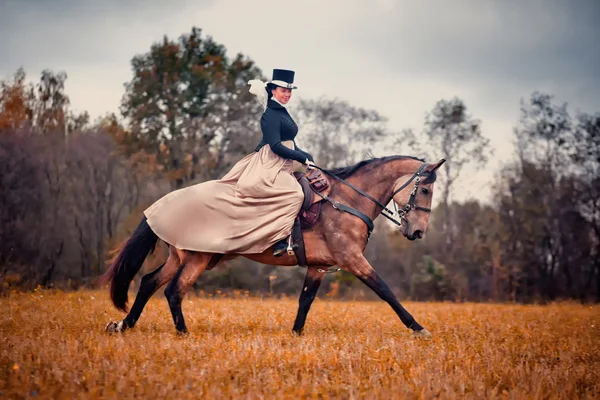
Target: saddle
[(311, 182)]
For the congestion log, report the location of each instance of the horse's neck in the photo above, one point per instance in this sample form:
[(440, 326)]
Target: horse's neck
[(379, 183)]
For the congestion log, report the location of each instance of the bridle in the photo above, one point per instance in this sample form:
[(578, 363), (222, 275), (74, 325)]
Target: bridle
[(386, 212), (402, 212)]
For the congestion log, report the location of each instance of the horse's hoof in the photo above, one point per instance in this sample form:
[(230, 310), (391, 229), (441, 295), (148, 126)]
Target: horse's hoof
[(422, 334), (114, 327), (183, 333)]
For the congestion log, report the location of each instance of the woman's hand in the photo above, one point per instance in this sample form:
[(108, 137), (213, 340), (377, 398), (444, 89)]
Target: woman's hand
[(309, 164)]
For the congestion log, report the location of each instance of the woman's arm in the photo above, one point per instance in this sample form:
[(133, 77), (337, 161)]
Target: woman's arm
[(307, 154)]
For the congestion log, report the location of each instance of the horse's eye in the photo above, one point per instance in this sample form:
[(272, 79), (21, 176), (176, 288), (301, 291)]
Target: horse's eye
[(425, 190)]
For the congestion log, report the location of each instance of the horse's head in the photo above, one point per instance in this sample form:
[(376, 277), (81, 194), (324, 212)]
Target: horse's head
[(412, 195)]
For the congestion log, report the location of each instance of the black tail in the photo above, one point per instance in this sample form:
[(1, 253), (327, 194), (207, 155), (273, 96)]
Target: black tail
[(128, 263)]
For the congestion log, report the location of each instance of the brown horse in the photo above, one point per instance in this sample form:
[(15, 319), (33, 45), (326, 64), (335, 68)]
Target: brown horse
[(358, 195)]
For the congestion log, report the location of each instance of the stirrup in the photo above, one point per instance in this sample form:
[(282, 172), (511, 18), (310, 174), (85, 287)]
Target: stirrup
[(278, 252), (290, 248), (280, 248), (290, 251)]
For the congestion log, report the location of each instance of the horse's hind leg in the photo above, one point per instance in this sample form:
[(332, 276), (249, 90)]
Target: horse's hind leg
[(309, 291), (150, 283), (190, 270)]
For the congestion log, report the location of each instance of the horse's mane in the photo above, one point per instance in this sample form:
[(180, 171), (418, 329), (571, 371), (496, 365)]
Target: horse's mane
[(346, 172)]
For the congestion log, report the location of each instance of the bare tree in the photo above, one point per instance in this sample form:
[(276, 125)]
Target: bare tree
[(335, 132)]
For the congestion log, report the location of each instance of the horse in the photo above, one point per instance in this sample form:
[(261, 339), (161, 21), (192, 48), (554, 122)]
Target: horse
[(358, 195)]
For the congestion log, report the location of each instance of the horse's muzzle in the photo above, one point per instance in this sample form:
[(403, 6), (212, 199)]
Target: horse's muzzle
[(415, 235)]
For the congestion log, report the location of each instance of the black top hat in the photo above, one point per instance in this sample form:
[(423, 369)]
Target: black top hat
[(283, 78)]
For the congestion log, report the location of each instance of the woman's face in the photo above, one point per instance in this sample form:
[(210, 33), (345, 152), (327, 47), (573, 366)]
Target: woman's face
[(282, 94)]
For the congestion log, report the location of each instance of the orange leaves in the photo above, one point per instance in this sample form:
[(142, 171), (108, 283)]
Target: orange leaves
[(16, 103), (43, 107)]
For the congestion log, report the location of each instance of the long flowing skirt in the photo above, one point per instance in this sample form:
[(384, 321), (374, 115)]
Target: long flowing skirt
[(247, 211)]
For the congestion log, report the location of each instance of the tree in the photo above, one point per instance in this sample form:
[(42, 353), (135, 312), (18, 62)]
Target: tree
[(452, 133), (42, 108), (548, 244), (16, 103), (546, 200), (180, 94), (231, 127), (52, 103), (20, 202), (336, 132), (544, 134), (58, 172), (586, 156)]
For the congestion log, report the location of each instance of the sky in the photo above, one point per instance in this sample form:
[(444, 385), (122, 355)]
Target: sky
[(396, 57)]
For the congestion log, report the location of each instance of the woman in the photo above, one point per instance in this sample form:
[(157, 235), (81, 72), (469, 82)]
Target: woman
[(278, 127), (254, 206)]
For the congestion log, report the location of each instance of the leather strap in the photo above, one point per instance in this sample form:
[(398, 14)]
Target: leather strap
[(350, 210), (298, 239), (418, 173)]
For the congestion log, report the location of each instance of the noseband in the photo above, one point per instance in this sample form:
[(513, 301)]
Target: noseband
[(386, 212)]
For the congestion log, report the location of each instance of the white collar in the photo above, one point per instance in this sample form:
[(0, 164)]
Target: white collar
[(277, 101)]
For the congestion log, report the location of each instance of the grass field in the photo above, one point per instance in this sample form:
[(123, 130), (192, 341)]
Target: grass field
[(53, 346)]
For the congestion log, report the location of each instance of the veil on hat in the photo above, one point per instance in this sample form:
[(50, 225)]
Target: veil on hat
[(259, 89)]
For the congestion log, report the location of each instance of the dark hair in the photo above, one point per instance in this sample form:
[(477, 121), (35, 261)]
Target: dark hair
[(270, 86)]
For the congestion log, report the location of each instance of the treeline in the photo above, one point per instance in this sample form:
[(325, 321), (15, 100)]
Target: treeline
[(71, 189)]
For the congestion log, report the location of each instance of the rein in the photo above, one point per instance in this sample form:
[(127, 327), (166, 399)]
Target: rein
[(386, 212)]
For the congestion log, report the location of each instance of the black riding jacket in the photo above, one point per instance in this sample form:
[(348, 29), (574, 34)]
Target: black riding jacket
[(277, 125)]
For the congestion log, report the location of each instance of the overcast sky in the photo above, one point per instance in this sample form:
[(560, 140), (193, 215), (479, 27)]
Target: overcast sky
[(398, 57)]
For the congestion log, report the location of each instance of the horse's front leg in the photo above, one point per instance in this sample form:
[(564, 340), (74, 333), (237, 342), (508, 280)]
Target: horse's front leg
[(309, 291), (358, 265)]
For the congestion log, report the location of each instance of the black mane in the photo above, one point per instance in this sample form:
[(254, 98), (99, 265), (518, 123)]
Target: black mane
[(346, 172)]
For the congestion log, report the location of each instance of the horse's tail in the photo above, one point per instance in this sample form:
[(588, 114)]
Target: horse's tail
[(128, 262)]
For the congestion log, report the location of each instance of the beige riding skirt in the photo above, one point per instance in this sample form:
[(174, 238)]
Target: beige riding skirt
[(247, 211)]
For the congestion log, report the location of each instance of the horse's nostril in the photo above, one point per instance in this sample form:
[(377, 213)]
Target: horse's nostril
[(418, 234)]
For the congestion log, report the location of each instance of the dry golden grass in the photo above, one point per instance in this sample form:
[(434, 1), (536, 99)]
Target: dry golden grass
[(53, 346)]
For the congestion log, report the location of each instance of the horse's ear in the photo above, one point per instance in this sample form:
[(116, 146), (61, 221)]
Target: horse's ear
[(433, 167)]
